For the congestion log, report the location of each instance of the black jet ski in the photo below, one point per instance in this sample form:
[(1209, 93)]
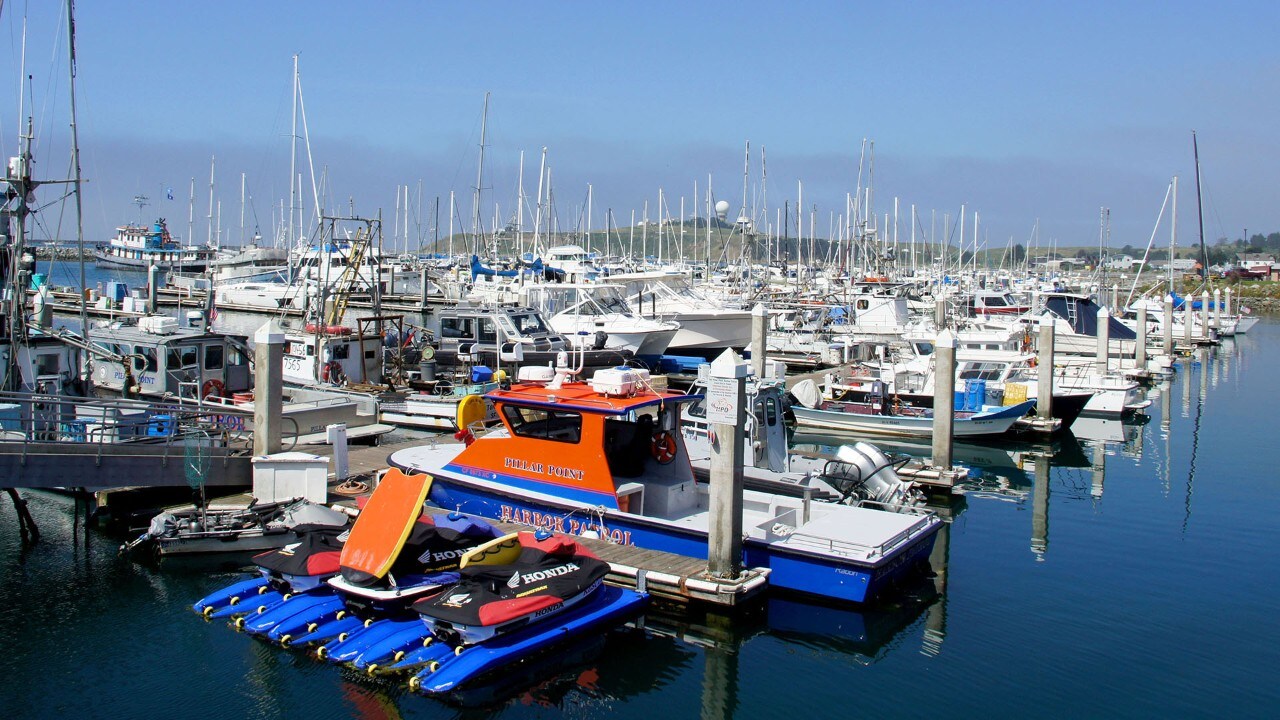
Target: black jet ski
[(512, 582)]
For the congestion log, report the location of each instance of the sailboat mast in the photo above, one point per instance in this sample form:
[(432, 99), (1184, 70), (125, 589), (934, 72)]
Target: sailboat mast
[(75, 177), (476, 222), (1204, 257), (293, 155)]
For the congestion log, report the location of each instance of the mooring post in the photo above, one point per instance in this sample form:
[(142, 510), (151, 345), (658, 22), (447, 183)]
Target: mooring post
[(727, 414), (1227, 299), (153, 289), (422, 280), (759, 338), (1166, 329), (268, 388), (1140, 352), (1115, 295), (1217, 309), (1044, 373), (944, 397), (1104, 340), (1204, 314), (1188, 320), (939, 312)]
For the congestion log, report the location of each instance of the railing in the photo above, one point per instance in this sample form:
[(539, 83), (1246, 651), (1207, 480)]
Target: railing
[(32, 418)]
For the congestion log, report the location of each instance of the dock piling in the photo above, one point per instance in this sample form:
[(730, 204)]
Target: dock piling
[(1227, 299), (727, 413), (1044, 351), (1104, 340), (1204, 315), (268, 388), (153, 289), (1217, 309), (759, 335), (1140, 351), (1188, 321), (1166, 329), (944, 406)]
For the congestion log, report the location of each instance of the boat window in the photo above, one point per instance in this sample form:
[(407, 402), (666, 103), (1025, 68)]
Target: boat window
[(213, 357), (530, 324), (237, 358), (341, 351), (456, 328), (994, 301), (863, 304), (544, 424), (488, 334), (182, 356), (48, 364), (771, 411), (145, 358), (981, 371)]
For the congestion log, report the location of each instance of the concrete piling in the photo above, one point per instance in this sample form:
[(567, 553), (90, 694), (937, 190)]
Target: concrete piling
[(727, 414), (759, 335), (944, 408), (1140, 351), (1166, 329), (1104, 340), (268, 388), (1044, 352)]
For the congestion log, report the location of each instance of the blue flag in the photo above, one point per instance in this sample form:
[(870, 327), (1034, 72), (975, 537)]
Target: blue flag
[(169, 193)]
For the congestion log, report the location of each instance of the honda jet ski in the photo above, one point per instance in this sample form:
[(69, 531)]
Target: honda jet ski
[(511, 582)]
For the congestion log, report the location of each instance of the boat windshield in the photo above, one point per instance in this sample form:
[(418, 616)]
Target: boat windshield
[(530, 324), (611, 301), (561, 426)]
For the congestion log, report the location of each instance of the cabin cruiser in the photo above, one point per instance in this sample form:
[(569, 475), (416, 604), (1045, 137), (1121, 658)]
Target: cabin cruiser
[(590, 315), (705, 324), (497, 335)]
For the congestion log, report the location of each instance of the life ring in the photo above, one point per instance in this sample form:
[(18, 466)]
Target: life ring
[(663, 447), (213, 387), (332, 373), (328, 329)]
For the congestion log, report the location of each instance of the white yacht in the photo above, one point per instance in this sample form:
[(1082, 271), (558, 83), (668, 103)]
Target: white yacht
[(589, 314), (704, 323)]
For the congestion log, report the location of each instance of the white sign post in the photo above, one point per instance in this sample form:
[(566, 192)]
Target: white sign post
[(726, 415)]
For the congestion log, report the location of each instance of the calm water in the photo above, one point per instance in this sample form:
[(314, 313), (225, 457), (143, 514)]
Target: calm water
[(1134, 578)]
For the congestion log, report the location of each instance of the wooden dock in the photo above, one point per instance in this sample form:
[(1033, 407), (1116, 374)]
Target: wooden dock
[(664, 575), (670, 577)]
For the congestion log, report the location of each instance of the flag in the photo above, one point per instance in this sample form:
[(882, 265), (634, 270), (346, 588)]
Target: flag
[(169, 193)]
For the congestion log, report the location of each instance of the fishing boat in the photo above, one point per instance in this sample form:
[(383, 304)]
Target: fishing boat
[(607, 459), (899, 419), (138, 247)]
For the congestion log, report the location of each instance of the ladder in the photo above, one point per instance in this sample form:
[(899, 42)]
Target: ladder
[(350, 276)]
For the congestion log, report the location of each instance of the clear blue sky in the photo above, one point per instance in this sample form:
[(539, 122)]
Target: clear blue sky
[(1019, 110)]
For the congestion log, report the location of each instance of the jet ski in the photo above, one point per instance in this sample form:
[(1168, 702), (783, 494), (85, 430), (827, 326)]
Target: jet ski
[(512, 582), (297, 573), (377, 618)]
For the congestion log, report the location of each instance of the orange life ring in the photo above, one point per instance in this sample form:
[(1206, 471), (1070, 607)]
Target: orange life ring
[(663, 447), (328, 329), (212, 387)]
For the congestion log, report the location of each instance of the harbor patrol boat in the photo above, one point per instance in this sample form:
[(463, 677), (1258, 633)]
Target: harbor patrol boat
[(607, 459)]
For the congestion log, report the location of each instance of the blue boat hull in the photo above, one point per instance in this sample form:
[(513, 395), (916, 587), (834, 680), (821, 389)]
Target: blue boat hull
[(607, 607), (790, 570)]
